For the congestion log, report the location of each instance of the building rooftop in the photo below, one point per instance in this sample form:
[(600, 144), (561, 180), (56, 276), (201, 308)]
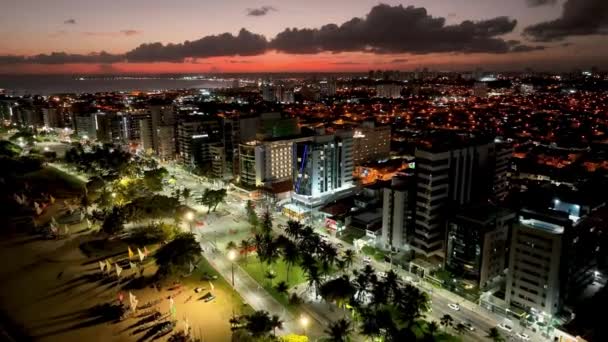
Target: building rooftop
[(482, 213)]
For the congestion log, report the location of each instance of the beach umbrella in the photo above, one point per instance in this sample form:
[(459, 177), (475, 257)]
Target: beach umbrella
[(88, 224), (108, 266), (131, 265), (17, 199), (82, 216), (146, 253), (118, 270), (131, 254), (211, 285), (36, 205), (102, 265), (133, 301), (52, 199), (191, 267), (38, 211), (141, 255)]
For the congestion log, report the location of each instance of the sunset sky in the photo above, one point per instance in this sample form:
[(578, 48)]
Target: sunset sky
[(93, 36)]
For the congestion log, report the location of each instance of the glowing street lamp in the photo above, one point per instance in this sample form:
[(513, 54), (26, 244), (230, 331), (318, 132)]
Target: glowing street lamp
[(232, 258), (304, 323), (190, 217)]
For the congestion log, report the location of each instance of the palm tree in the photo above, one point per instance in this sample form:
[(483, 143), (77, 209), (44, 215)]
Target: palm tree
[(446, 321), (495, 335), (460, 328), (186, 195), (275, 323), (231, 246), (266, 224), (282, 287), (339, 331), (177, 254), (259, 324), (293, 229), (313, 278), (245, 247), (270, 275), (432, 329), (348, 258), (291, 255)]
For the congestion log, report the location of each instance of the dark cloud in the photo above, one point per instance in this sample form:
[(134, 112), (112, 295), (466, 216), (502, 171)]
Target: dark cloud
[(234, 61), (385, 30), (345, 63), (226, 44), (261, 11), (579, 18), (536, 3), (398, 29), (130, 32), (70, 21), (62, 58), (113, 34)]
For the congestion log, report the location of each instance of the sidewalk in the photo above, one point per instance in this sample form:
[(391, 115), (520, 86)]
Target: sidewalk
[(251, 291)]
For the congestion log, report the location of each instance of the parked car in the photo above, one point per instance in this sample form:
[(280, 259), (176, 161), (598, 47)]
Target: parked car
[(367, 260), (523, 337)]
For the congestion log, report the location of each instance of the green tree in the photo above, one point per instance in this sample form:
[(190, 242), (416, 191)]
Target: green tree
[(153, 179), (291, 256), (293, 229), (252, 217), (177, 254), (113, 222), (266, 224), (446, 321), (282, 287), (219, 196), (432, 328), (270, 275), (245, 247), (348, 258), (231, 246), (260, 324), (460, 328), (339, 331), (339, 291), (186, 193), (495, 335)]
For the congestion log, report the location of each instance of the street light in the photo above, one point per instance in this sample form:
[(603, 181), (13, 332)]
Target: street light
[(232, 257), (304, 322), (190, 217)]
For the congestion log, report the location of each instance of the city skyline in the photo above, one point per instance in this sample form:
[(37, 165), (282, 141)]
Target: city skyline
[(340, 36)]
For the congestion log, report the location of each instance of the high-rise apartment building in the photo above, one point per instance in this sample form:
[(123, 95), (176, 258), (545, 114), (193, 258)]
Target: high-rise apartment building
[(323, 166), (389, 90), (503, 155), (371, 143), (263, 163), (158, 129), (196, 134), (398, 205), (452, 171), (551, 261), (477, 243)]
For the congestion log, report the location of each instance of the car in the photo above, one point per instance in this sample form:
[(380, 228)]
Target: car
[(454, 307), (469, 326), (505, 327), (522, 336), (199, 289), (340, 245), (367, 260), (207, 297)]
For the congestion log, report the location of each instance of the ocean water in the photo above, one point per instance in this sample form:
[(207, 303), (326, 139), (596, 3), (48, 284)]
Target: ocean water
[(49, 85)]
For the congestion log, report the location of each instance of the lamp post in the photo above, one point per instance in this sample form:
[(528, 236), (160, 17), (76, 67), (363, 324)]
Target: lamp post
[(232, 257), (304, 322), (190, 217)]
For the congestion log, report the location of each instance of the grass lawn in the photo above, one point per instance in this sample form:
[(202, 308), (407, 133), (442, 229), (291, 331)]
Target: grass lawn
[(220, 284), (373, 252), (54, 181), (257, 271), (351, 234)]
